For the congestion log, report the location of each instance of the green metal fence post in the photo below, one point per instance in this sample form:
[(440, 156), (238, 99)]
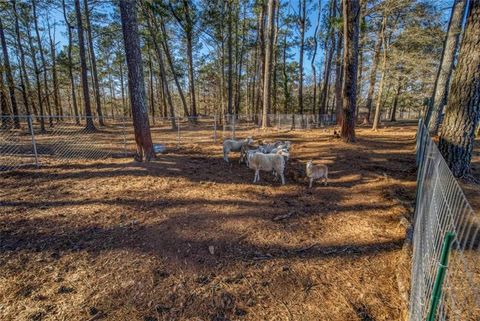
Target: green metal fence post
[(442, 269)]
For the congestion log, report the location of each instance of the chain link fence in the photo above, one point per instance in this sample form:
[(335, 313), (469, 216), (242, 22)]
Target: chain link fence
[(35, 140), (17, 145), (446, 243), (297, 121)]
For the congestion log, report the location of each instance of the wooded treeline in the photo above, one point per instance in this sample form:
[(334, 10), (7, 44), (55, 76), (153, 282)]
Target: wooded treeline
[(208, 57), (356, 59)]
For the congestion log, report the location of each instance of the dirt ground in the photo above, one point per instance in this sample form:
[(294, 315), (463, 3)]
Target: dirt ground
[(189, 237)]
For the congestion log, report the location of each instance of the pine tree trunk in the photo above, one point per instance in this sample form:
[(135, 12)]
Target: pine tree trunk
[(268, 62), (255, 74), (122, 90), (462, 113), (339, 78), (83, 68), (37, 80), (25, 83), (150, 86), (136, 82), (56, 94), (442, 81), (3, 103), (286, 92), (360, 56), (8, 71), (378, 106), (166, 49), (191, 74), (275, 62), (96, 85), (351, 14), (5, 113), (260, 57), (315, 45), (322, 108), (70, 64), (326, 80), (44, 63), (230, 59), (302, 18), (373, 72), (240, 63), (163, 74), (395, 101)]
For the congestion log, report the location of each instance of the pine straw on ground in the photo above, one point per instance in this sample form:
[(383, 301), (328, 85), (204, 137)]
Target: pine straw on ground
[(188, 237)]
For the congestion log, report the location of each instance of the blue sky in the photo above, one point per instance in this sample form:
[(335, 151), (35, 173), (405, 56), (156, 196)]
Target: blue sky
[(56, 14)]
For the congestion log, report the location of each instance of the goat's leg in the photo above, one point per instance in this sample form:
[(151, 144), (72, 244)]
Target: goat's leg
[(225, 154), (283, 178), (311, 182)]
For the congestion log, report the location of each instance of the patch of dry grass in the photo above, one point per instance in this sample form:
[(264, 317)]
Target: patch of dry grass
[(116, 240)]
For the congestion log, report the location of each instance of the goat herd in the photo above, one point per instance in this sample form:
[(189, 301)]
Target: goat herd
[(270, 157)]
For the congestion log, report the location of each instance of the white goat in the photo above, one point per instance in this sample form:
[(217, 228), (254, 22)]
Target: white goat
[(267, 162), (232, 145), (315, 172), (267, 148)]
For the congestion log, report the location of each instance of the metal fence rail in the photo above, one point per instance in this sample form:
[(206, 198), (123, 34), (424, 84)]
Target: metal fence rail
[(442, 211)]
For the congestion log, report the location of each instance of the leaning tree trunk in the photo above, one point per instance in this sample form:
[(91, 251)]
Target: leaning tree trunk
[(268, 62), (166, 48), (440, 91), (8, 71), (163, 76), (136, 82), (94, 64), (83, 67), (330, 38), (351, 10), (462, 113)]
